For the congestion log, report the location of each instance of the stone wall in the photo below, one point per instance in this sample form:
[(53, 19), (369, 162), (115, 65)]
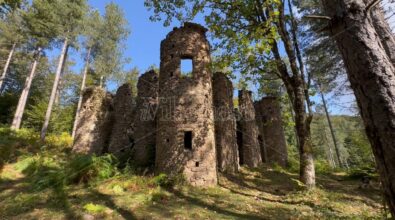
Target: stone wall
[(145, 126), (122, 133), (185, 137), (225, 124), (94, 122), (250, 148), (271, 129)]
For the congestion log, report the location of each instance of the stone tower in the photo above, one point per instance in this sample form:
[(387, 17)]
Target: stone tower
[(145, 119), (249, 133), (271, 129), (94, 123), (225, 124), (185, 129), (121, 136)]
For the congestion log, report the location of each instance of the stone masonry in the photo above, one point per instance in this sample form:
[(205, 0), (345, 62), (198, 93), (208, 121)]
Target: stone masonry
[(182, 123), (145, 119), (185, 131), (225, 124), (122, 134), (271, 129), (94, 122), (249, 148)]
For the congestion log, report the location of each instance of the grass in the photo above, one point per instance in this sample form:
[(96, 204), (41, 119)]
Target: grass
[(40, 185), (252, 194)]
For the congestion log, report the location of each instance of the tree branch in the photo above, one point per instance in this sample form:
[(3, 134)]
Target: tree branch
[(321, 17), (371, 5)]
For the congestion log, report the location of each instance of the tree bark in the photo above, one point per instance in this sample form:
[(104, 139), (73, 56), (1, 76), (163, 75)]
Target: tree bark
[(58, 91), (328, 118), (302, 124), (384, 31), (77, 114), (16, 122), (54, 90), (6, 66), (372, 78)]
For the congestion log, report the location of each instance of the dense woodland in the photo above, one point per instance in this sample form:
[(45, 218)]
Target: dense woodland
[(310, 53)]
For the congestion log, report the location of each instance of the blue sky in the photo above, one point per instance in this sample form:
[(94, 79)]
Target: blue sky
[(143, 45)]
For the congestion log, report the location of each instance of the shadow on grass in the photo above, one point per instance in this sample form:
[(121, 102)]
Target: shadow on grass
[(273, 182), (109, 202), (23, 198), (211, 207)]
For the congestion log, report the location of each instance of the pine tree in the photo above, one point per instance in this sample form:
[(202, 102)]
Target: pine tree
[(70, 14), (40, 25)]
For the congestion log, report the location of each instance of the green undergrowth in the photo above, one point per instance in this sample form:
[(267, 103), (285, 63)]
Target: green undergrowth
[(51, 183)]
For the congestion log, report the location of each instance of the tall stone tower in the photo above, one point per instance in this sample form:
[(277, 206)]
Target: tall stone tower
[(225, 124), (145, 119), (249, 133), (268, 115), (185, 126), (94, 123)]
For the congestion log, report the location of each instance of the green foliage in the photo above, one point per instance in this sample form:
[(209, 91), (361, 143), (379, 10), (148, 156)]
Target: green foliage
[(166, 181), (9, 5), (323, 167), (362, 172), (113, 31), (44, 173), (244, 30), (85, 168), (94, 208)]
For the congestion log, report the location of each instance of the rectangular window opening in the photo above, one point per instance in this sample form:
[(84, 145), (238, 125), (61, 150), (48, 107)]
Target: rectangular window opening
[(186, 67), (188, 140)]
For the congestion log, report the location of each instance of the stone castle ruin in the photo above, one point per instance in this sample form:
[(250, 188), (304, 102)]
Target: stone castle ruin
[(183, 124)]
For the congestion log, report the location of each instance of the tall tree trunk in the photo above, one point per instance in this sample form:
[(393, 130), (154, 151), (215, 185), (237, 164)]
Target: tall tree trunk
[(101, 84), (77, 114), (302, 124), (384, 31), (59, 90), (54, 90), (6, 66), (296, 92), (16, 122), (372, 78), (328, 118)]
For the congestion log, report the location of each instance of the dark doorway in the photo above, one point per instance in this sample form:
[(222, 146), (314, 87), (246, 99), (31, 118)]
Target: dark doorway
[(188, 140), (239, 136)]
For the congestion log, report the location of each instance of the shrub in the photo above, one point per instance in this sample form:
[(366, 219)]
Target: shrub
[(322, 167), (94, 208), (362, 172), (166, 181), (44, 172), (61, 141), (85, 168)]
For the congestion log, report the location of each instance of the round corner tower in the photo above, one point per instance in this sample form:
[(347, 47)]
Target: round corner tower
[(185, 129)]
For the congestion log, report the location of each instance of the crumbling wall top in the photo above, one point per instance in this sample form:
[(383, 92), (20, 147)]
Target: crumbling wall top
[(188, 25)]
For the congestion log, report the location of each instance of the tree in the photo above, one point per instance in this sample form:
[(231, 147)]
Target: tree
[(114, 30), (383, 29), (11, 34), (371, 75), (74, 11), (39, 22), (7, 6), (250, 33)]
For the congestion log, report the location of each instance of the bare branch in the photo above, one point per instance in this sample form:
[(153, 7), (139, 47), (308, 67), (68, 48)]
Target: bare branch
[(371, 5), (318, 17)]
